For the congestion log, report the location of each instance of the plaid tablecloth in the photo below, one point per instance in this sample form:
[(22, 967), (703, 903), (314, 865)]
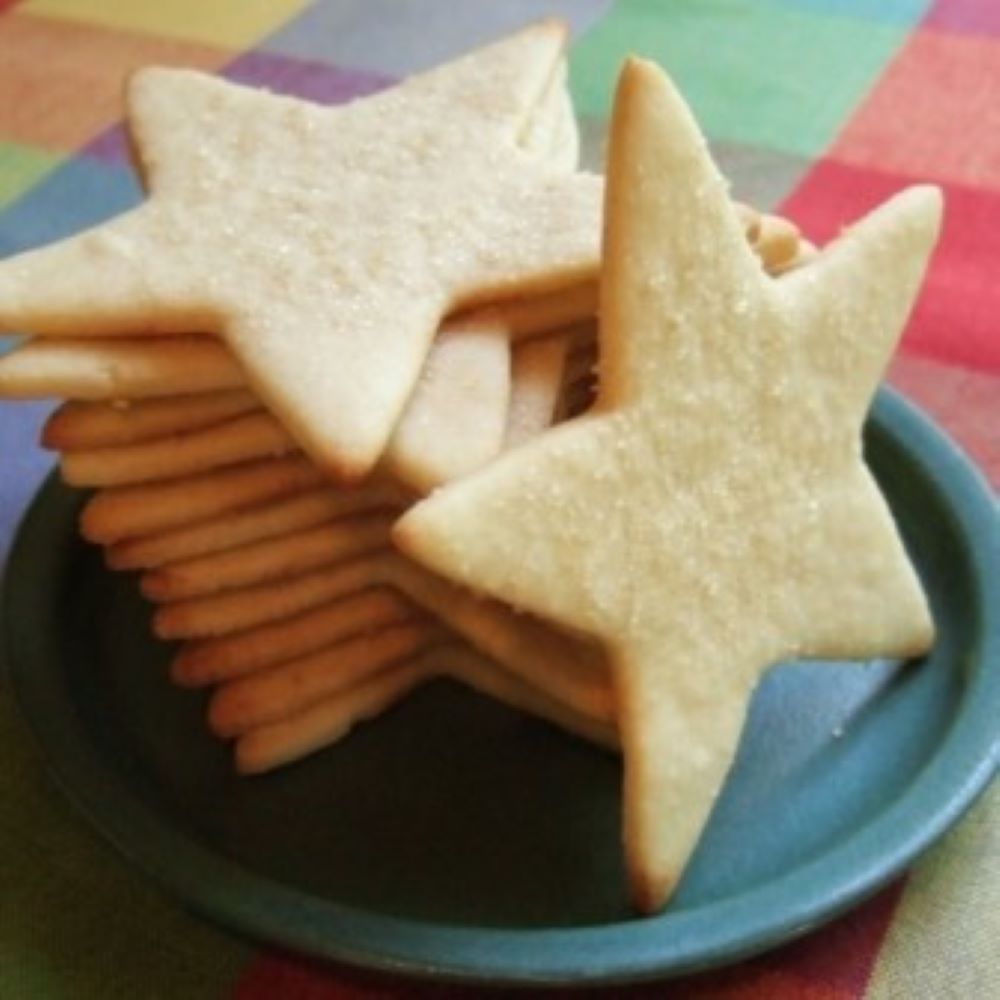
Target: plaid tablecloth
[(816, 107)]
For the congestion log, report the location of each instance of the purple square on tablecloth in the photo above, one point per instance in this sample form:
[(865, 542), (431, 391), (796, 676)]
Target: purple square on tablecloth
[(110, 147), (314, 81)]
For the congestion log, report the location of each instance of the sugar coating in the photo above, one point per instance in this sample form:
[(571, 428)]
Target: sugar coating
[(551, 132), (325, 244), (712, 514)]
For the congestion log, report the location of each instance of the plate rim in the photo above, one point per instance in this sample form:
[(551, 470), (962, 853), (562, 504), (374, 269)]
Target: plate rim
[(633, 950)]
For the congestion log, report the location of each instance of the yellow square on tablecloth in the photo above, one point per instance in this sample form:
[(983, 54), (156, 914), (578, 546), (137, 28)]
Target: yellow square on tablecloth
[(234, 24)]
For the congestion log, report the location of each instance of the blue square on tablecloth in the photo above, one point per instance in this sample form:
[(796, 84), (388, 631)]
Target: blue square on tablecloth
[(385, 36), (78, 194)]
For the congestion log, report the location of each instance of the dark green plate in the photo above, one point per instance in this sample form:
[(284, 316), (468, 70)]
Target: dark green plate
[(453, 838)]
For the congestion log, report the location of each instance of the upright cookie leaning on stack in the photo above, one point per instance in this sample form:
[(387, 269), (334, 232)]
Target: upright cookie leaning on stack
[(712, 514)]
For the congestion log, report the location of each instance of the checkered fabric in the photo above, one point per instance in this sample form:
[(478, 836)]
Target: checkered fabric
[(818, 108)]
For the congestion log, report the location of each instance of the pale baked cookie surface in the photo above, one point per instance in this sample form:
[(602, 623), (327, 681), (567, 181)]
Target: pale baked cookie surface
[(325, 244), (712, 515)]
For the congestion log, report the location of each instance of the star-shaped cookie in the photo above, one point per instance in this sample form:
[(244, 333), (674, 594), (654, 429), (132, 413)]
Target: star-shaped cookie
[(326, 244), (712, 515)]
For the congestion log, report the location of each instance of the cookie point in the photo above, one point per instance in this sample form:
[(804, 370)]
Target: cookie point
[(930, 197), (151, 586), (552, 25), (650, 893), (218, 716), (140, 81), (343, 470), (403, 535), (245, 757), (647, 74), (639, 82), (182, 673)]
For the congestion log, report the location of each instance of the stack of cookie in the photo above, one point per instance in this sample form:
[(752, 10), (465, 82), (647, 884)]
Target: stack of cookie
[(281, 585), (394, 302)]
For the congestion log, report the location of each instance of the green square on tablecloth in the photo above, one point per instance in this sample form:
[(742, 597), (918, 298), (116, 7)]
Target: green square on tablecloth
[(757, 73), (21, 167)]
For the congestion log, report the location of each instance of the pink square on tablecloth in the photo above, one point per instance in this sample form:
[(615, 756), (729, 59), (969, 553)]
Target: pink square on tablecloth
[(974, 17), (956, 316), (934, 112), (61, 82)]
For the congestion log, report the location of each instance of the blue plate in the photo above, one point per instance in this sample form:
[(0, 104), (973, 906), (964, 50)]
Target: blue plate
[(454, 838)]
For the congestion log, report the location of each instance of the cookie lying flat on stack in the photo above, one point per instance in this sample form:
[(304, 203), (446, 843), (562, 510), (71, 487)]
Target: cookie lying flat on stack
[(326, 245)]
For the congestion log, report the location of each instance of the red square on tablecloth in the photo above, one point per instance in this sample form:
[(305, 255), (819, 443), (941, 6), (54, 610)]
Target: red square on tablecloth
[(62, 81), (956, 316), (935, 112)]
